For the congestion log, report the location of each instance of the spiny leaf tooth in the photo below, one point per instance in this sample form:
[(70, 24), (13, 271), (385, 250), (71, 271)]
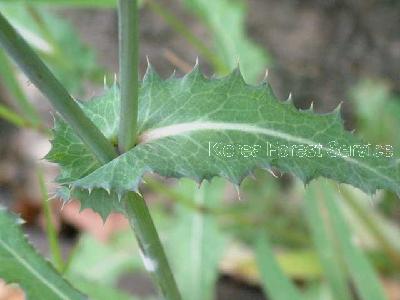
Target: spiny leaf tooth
[(105, 86), (195, 73), (237, 188), (201, 181), (51, 196), (338, 110), (311, 108), (237, 76), (265, 79), (63, 193), (172, 76), (119, 196), (19, 221), (273, 172), (108, 190), (16, 217), (289, 99), (65, 203), (151, 74)]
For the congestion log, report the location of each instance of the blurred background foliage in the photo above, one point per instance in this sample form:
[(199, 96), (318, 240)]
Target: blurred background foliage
[(280, 240)]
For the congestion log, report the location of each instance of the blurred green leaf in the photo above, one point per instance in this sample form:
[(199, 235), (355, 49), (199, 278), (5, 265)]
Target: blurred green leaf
[(12, 117), (226, 21), (377, 111), (8, 75), (195, 244), (104, 263), (99, 291), (369, 223), (57, 43), (268, 205), (321, 231), (20, 263), (276, 284), (318, 291), (361, 272)]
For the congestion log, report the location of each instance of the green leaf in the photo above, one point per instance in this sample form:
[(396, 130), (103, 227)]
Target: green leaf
[(10, 81), (226, 21), (104, 263), (377, 111), (95, 267), (324, 241), (12, 117), (20, 263), (196, 237), (275, 283), (56, 41), (98, 291), (200, 128), (361, 272)]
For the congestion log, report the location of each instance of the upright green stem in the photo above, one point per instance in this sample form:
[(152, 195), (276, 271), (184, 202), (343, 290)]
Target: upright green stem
[(128, 22), (136, 209), (153, 255), (45, 81), (51, 233)]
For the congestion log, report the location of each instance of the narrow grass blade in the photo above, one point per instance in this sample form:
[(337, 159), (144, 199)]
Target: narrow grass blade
[(196, 236), (174, 22), (51, 233), (12, 117), (371, 220), (275, 283), (7, 73), (362, 273), (322, 235)]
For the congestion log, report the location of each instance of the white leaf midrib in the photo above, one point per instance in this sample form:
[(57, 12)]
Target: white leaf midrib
[(30, 269), (189, 127)]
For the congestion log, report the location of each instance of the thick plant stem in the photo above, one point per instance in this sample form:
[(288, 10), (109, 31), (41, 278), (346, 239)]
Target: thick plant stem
[(128, 23), (153, 254), (45, 81), (136, 209)]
